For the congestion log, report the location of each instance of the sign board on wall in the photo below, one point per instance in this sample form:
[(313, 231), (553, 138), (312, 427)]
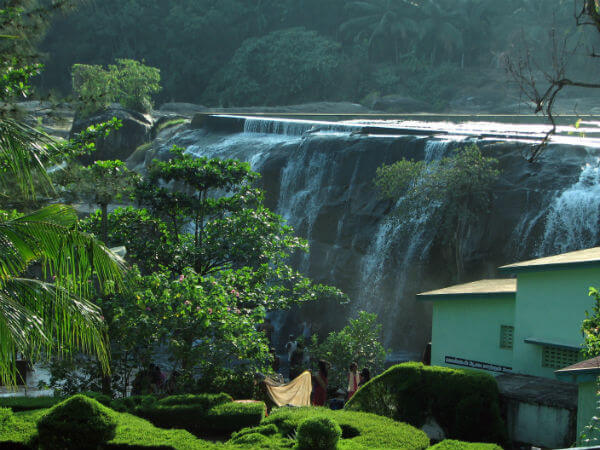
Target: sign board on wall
[(476, 364)]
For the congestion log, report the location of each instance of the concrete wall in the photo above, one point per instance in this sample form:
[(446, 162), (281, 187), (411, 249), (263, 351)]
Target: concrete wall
[(540, 425), (587, 407), (550, 305), (470, 329)]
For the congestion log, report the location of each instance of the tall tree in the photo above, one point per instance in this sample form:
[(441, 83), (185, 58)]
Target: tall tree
[(52, 312)]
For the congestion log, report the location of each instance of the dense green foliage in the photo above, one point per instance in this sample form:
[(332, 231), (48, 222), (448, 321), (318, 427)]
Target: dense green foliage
[(202, 414), (47, 310), (202, 43), (359, 430), (18, 404), (450, 444), (359, 341), (79, 423), (288, 66), (318, 433), (451, 192), (464, 403), (6, 419), (213, 261), (146, 237), (128, 82), (591, 327)]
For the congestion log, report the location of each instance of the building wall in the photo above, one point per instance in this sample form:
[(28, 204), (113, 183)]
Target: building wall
[(550, 306), (539, 425), (586, 409), (470, 329)]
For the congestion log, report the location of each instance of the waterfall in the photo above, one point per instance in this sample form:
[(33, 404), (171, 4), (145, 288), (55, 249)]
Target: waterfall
[(397, 251), (319, 177), (572, 220), (294, 127)]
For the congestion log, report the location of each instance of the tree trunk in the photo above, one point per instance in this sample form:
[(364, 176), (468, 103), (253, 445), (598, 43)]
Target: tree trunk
[(104, 222)]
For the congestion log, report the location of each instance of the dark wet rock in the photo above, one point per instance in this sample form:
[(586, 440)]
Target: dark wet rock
[(120, 144)]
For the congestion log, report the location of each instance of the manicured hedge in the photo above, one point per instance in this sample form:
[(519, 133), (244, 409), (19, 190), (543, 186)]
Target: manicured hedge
[(78, 423), (449, 444), (18, 404), (132, 433), (318, 433), (465, 403), (359, 430), (203, 414), (129, 404), (205, 401)]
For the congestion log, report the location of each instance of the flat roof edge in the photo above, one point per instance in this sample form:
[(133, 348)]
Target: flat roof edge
[(516, 268), (549, 343), (432, 297)]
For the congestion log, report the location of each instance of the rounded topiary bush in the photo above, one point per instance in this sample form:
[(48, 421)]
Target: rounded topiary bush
[(318, 433), (77, 423)]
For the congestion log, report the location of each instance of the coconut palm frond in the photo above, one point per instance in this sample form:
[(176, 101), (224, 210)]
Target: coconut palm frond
[(37, 317), (49, 236), (22, 149)]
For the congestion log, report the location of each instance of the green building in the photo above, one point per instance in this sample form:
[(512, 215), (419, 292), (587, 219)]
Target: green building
[(529, 325), (523, 330), (585, 374)]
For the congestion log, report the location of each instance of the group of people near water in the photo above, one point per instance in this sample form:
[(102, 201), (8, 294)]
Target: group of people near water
[(320, 384)]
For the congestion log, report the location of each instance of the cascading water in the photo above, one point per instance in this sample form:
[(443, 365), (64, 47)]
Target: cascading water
[(572, 222), (294, 127), (319, 177), (398, 248)]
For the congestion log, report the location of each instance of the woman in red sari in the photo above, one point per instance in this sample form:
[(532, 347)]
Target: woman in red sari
[(353, 380), (320, 385)]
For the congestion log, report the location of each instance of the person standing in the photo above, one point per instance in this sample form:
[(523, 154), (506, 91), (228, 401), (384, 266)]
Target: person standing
[(320, 385), (365, 376), (353, 380)]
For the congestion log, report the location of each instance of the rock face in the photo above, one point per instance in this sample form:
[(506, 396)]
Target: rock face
[(322, 184), (119, 144)]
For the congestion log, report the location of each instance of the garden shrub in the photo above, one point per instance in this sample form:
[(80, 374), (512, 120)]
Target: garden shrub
[(202, 414), (18, 404), (364, 430), (128, 404), (205, 401), (465, 403), (450, 444), (266, 430), (229, 417), (99, 397), (318, 433), (78, 423)]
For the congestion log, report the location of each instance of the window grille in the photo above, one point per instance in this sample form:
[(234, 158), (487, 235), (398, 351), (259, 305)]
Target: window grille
[(557, 358), (506, 336)]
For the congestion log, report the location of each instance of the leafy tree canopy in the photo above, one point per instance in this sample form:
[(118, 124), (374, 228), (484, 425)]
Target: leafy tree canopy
[(293, 65), (451, 192)]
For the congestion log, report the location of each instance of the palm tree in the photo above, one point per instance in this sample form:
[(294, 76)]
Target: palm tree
[(380, 21), (439, 27), (52, 313)]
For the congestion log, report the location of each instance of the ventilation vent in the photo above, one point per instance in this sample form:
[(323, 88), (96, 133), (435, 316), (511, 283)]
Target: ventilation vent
[(557, 358), (506, 336)]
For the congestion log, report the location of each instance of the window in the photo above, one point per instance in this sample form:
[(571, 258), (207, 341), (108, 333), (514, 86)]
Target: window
[(506, 336), (557, 358)]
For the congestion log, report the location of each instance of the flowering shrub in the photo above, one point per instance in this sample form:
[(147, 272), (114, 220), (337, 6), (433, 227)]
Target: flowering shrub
[(203, 325)]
